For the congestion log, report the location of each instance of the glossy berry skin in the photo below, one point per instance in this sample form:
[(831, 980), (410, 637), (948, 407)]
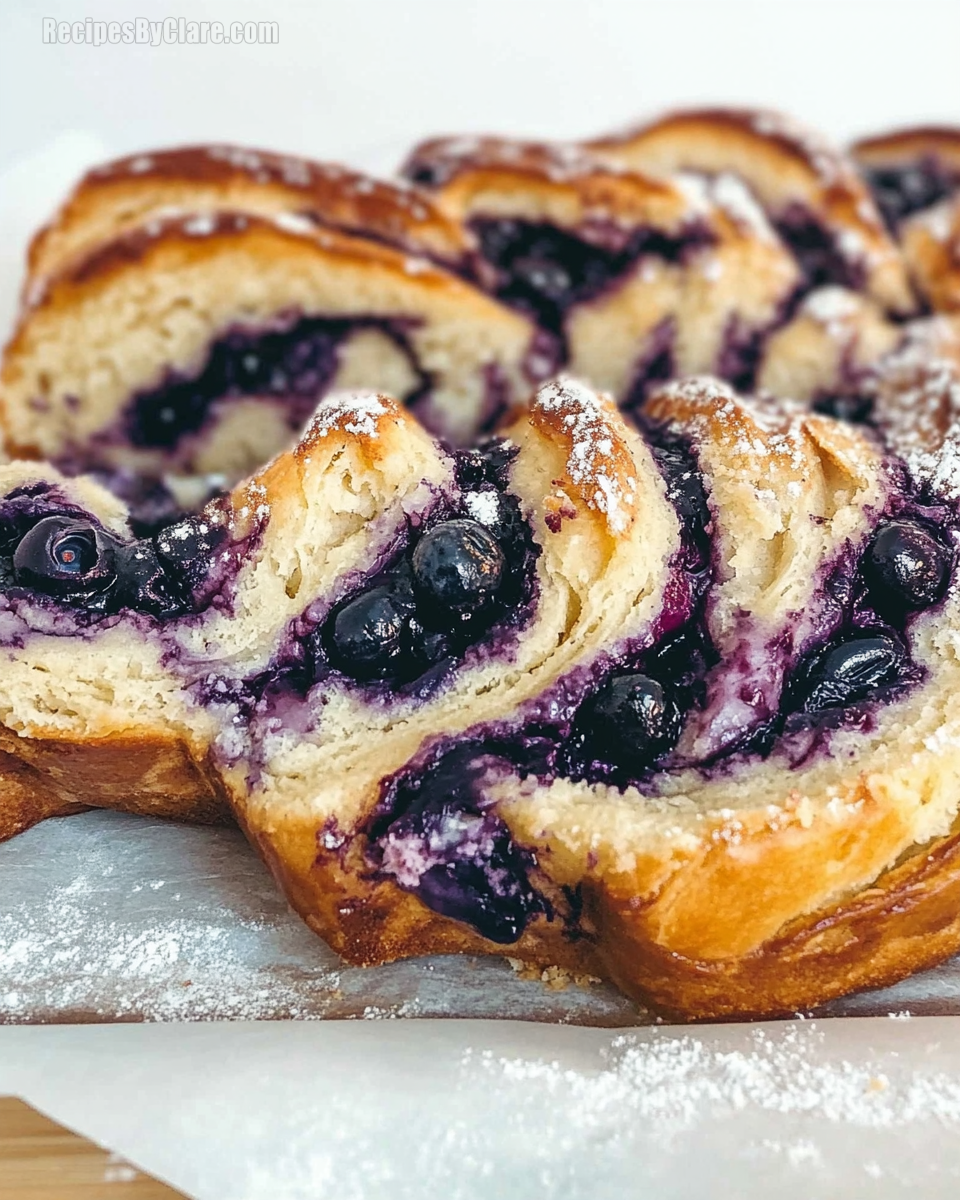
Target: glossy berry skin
[(367, 634), (143, 584), (427, 646), (853, 408), (63, 556), (684, 486), (636, 719), (907, 565), (850, 671), (457, 567)]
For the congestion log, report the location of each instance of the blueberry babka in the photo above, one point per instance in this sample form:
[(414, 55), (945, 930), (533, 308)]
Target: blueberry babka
[(633, 278), (811, 194), (659, 686), (701, 737), (706, 242), (186, 311)]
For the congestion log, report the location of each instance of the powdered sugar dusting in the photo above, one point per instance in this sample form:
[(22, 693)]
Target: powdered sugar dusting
[(941, 222), (597, 462), (733, 196), (77, 952), (670, 1084), (352, 412), (918, 406), (831, 304), (559, 162), (823, 159)]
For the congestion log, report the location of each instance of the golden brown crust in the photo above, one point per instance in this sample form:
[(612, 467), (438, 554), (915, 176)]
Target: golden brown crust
[(785, 165), (906, 921), (122, 194), (600, 471), (901, 147), (574, 188), (931, 244), (27, 796), (193, 234), (370, 920), (209, 272), (154, 775)]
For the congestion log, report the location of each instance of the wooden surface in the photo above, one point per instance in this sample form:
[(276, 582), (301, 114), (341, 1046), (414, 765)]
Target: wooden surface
[(40, 1160)]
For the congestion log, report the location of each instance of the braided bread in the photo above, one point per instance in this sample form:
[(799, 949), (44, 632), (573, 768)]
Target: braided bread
[(665, 695), (116, 648), (186, 311), (724, 739)]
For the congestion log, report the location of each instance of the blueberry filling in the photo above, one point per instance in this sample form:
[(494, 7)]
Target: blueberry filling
[(544, 270), (902, 191), (52, 549), (366, 637), (816, 251), (85, 566), (457, 568), (465, 570), (293, 366), (855, 408), (655, 365), (436, 835), (685, 491), (636, 719)]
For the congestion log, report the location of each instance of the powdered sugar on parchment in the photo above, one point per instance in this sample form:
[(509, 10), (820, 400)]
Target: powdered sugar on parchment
[(74, 954), (670, 1083)]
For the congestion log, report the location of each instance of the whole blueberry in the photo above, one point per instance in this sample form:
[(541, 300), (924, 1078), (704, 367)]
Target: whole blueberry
[(366, 634), (427, 646), (848, 671), (907, 564), (65, 556), (143, 584), (636, 719), (853, 408), (457, 566)]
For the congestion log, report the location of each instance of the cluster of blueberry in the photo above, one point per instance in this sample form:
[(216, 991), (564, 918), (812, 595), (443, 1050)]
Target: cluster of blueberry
[(458, 577), (636, 718), (473, 870), (905, 569), (73, 559)]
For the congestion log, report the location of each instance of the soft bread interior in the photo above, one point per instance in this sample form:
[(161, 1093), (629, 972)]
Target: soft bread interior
[(601, 576), (792, 495), (715, 863), (151, 305), (112, 714), (739, 283), (330, 507)]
